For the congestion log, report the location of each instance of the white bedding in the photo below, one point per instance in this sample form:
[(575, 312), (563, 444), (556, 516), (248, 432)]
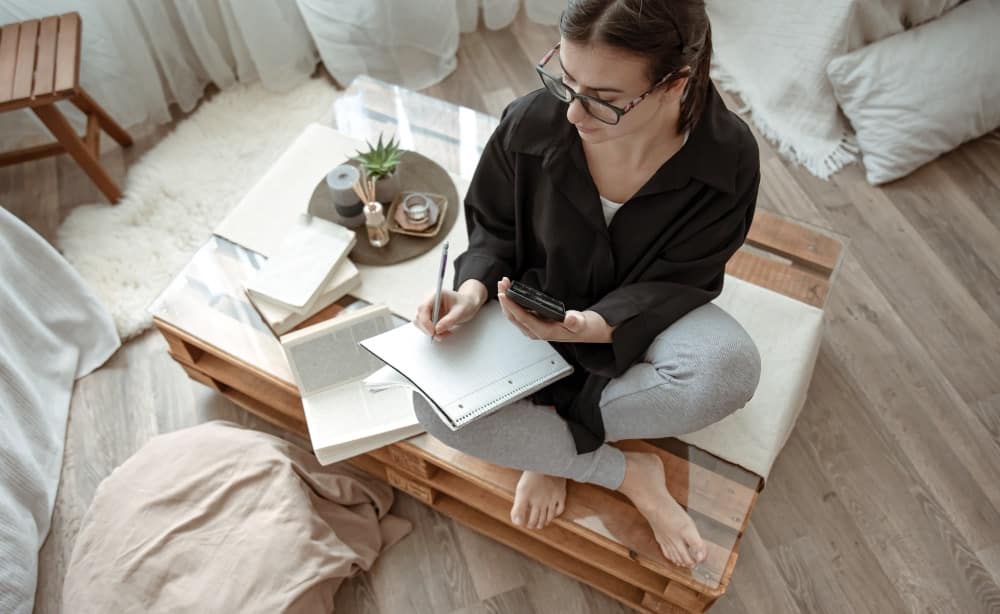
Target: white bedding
[(52, 331), (774, 54)]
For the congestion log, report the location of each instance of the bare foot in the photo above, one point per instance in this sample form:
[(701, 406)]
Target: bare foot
[(538, 499), (646, 485)]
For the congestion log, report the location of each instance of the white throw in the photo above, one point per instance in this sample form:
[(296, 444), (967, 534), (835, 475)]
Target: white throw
[(52, 331)]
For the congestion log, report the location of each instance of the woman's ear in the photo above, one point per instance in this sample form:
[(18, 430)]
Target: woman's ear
[(676, 89)]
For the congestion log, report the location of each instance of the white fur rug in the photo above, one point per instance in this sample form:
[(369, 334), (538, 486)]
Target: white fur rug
[(180, 190)]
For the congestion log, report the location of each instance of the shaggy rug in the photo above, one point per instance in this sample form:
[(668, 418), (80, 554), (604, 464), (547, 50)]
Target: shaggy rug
[(180, 190)]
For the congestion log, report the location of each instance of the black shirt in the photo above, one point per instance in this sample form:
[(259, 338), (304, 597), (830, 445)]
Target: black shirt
[(534, 214)]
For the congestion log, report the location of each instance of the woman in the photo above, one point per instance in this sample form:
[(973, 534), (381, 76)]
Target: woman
[(621, 188)]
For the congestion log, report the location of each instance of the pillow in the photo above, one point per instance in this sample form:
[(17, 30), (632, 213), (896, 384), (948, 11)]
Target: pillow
[(921, 93), (218, 518)]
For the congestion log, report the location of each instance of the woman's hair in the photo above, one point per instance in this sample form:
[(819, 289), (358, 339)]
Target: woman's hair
[(671, 34)]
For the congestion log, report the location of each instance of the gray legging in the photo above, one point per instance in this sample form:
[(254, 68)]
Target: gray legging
[(696, 372)]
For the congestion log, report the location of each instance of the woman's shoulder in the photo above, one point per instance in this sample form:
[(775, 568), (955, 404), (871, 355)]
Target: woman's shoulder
[(729, 130), (529, 123)]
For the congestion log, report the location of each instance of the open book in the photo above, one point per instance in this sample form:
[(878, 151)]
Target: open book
[(345, 418), (483, 365), (302, 267)]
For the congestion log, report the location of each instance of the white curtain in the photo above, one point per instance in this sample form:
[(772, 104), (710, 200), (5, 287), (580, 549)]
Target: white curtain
[(139, 56)]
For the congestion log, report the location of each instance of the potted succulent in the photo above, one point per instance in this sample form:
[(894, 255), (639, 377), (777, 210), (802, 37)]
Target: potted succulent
[(380, 163)]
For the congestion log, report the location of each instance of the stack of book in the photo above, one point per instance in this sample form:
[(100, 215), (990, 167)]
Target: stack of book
[(309, 272)]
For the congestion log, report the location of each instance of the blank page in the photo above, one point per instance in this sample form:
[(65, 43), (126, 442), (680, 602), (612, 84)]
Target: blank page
[(484, 364)]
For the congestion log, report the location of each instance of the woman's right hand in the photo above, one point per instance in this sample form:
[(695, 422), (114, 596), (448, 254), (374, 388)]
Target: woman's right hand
[(456, 308)]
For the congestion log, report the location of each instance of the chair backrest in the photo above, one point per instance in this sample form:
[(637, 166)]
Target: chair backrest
[(39, 58)]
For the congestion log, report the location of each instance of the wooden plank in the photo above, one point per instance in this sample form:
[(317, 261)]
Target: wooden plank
[(169, 332), (31, 153), (685, 597), (68, 53), (93, 138), (24, 69), (421, 492), (410, 462), (657, 604), (802, 245), (8, 59), (556, 534), (523, 543), (45, 63), (278, 400), (265, 412), (85, 103), (607, 520), (774, 275), (61, 129)]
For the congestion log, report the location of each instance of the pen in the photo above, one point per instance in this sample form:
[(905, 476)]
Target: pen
[(440, 281)]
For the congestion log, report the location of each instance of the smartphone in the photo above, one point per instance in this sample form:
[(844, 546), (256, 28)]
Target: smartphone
[(536, 301)]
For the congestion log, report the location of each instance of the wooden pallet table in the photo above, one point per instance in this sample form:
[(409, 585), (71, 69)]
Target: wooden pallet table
[(600, 539)]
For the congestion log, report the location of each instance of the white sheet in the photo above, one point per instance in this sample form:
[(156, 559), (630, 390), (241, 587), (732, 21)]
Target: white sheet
[(52, 331)]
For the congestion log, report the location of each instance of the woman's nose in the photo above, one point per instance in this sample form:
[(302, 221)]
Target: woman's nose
[(576, 113)]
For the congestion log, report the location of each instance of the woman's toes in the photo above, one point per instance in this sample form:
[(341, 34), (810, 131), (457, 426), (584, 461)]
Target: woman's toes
[(551, 515), (518, 513), (533, 522)]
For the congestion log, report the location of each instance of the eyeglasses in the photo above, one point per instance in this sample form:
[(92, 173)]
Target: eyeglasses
[(599, 109)]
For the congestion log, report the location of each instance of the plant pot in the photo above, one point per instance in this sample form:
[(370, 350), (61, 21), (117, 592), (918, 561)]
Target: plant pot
[(387, 188)]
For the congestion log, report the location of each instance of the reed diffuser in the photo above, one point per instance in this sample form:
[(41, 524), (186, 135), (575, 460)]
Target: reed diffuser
[(375, 219)]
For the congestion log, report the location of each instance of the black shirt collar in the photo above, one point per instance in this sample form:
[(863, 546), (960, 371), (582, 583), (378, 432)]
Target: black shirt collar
[(710, 154)]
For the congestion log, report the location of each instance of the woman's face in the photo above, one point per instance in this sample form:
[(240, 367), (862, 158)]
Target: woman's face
[(617, 77)]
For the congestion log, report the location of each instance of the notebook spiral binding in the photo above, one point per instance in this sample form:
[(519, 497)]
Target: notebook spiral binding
[(521, 390)]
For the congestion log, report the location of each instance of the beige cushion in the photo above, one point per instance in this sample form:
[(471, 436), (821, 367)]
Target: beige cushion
[(920, 93), (787, 333), (217, 518)]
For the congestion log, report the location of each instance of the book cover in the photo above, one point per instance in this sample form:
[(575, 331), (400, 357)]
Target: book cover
[(281, 320), (303, 265)]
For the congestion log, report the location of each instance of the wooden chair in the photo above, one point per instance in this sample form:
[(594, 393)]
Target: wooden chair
[(39, 66)]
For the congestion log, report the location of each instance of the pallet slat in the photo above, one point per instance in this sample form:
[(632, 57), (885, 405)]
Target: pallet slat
[(8, 59), (45, 64), (804, 246), (24, 67), (67, 53), (790, 281)]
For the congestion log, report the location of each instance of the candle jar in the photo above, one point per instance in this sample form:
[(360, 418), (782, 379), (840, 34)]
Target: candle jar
[(377, 224), (346, 203)]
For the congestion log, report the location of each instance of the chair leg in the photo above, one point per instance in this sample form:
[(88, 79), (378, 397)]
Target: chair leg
[(88, 105), (64, 133)]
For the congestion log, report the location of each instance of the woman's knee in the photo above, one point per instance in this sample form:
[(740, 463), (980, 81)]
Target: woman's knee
[(708, 359)]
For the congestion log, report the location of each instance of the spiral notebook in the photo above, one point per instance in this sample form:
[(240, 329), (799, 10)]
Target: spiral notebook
[(483, 365)]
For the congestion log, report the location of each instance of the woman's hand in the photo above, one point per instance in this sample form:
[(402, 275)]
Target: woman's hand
[(455, 309), (577, 327)]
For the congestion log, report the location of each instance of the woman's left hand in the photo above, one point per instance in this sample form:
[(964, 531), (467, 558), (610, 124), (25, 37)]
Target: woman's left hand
[(578, 327)]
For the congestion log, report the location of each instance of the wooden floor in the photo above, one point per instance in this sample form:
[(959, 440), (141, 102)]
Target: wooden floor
[(886, 497)]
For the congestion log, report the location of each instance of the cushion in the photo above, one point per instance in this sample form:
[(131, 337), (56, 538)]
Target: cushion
[(52, 331), (920, 93), (787, 333), (217, 518)]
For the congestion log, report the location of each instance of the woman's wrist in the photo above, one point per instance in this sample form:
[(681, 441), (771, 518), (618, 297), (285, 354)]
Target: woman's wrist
[(475, 290), (599, 329)]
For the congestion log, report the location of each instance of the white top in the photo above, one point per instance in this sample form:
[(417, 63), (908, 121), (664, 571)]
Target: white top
[(611, 207)]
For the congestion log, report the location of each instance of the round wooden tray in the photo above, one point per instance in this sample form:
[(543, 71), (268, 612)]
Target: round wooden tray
[(417, 173)]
